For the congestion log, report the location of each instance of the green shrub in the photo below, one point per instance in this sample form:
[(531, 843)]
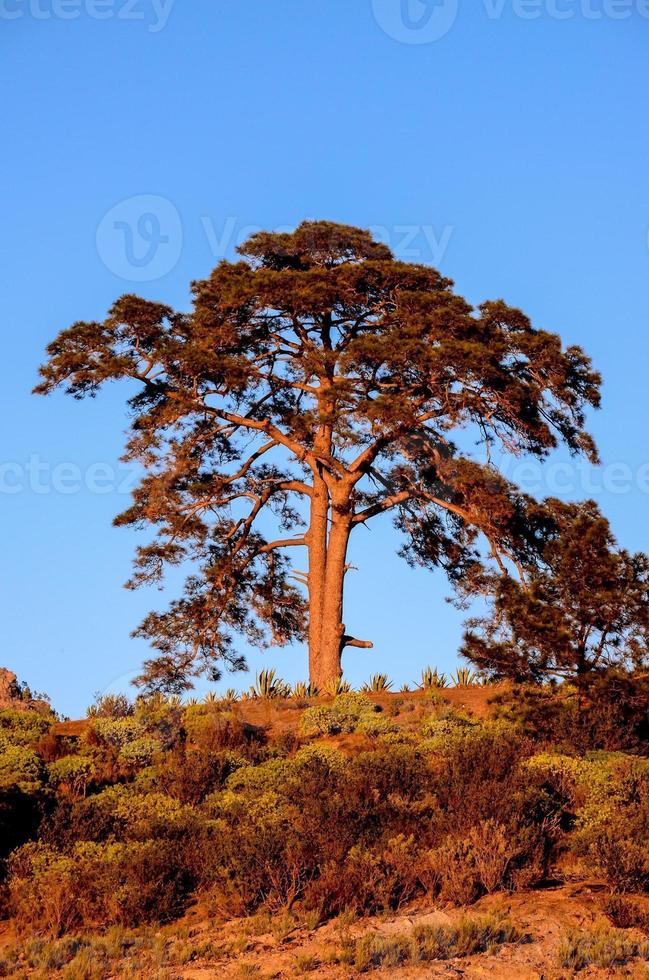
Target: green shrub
[(22, 727), (42, 890), (20, 768), (118, 732), (449, 725), (604, 948), (425, 944), (120, 813), (96, 885), (110, 706), (344, 715), (375, 725), (139, 752), (612, 824), (611, 715), (215, 727), (72, 771), (461, 870)]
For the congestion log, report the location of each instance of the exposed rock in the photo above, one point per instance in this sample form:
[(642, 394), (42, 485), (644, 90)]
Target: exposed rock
[(12, 695), (9, 690)]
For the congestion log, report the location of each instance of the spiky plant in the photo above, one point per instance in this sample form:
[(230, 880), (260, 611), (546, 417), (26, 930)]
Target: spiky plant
[(464, 677), (268, 686), (303, 689), (211, 698), (377, 683), (191, 702), (431, 677), (230, 696), (338, 686), (175, 701), (405, 688)]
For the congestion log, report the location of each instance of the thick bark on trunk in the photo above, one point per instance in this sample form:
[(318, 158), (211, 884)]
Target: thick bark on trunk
[(317, 548), (326, 667)]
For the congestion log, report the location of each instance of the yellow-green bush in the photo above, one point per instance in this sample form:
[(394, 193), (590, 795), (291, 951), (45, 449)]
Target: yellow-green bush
[(608, 794), (425, 944), (21, 769), (346, 714), (96, 885), (72, 771), (22, 727), (602, 947)]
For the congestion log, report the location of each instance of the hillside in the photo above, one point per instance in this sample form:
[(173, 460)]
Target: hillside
[(282, 715), (442, 832)]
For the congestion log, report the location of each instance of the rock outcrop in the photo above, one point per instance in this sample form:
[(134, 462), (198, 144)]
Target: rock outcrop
[(12, 695), (9, 691)]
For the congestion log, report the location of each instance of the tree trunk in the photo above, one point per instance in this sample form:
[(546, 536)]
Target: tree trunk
[(317, 549), (326, 662)]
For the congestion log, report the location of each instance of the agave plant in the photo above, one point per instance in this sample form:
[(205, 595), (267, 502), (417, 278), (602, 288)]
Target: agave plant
[(377, 683), (339, 686), (405, 688), (267, 685), (430, 677), (191, 702), (211, 698), (175, 701), (464, 677), (230, 696), (304, 689)]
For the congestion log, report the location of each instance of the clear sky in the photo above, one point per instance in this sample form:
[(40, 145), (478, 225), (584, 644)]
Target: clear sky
[(505, 141)]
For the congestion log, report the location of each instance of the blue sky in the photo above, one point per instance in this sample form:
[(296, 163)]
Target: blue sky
[(505, 142)]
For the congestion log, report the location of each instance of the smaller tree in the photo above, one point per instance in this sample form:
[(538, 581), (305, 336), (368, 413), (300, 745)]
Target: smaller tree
[(582, 609)]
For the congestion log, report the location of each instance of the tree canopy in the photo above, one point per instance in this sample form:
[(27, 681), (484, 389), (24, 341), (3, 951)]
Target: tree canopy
[(583, 609), (315, 385)]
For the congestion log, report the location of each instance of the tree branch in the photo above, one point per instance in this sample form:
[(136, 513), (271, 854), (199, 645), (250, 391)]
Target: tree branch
[(351, 641), (382, 505), (282, 543)]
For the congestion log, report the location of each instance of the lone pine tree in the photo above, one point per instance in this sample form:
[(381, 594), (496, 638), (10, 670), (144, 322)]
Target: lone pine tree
[(317, 384)]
